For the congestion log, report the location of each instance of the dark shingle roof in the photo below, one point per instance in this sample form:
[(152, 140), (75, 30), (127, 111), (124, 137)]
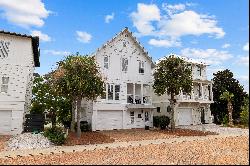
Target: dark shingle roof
[(35, 45)]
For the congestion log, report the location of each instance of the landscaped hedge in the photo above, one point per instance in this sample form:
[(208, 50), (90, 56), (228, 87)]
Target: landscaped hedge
[(161, 121), (56, 135)]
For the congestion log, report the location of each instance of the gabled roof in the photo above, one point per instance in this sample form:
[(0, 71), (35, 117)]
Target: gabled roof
[(186, 59), (126, 30), (35, 45)]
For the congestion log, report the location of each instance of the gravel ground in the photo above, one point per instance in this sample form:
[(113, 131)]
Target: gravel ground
[(218, 129), (3, 140), (230, 151), (152, 134), (28, 141)]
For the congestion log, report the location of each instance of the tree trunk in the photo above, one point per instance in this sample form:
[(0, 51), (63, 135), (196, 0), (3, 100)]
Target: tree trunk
[(172, 112), (78, 117), (53, 119), (72, 125), (230, 112)]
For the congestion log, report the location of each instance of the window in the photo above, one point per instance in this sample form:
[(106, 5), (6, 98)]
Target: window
[(168, 109), (132, 116), (4, 87), (106, 62), (139, 116), (117, 92), (199, 69), (124, 64), (141, 67), (158, 109), (110, 92), (199, 90), (104, 92)]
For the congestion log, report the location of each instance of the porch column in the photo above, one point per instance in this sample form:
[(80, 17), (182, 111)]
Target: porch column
[(133, 93), (94, 120), (141, 93), (202, 91), (192, 93)]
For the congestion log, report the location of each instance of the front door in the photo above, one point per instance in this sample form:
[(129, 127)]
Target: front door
[(202, 116)]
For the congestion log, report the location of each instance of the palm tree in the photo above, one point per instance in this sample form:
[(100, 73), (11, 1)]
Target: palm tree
[(229, 98)]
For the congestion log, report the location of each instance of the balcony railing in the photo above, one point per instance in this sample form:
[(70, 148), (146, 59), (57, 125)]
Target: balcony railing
[(195, 97), (138, 99)]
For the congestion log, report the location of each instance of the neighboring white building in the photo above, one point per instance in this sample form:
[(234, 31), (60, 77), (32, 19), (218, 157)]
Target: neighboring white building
[(19, 55), (190, 109), (127, 102)]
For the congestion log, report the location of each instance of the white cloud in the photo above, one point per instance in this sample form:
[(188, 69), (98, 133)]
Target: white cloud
[(24, 13), (164, 43), (171, 9), (190, 23), (109, 18), (246, 47), (244, 78), (208, 56), (83, 37), (176, 22), (244, 60), (54, 52), (42, 36), (143, 17), (226, 45)]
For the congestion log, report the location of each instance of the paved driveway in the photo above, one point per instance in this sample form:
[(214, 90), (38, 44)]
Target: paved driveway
[(218, 129)]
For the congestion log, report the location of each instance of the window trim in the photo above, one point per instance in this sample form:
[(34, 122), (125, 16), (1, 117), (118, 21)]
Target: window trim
[(106, 63), (141, 66), (126, 67), (4, 84)]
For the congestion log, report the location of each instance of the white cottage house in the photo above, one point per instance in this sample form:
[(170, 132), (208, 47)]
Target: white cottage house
[(19, 55), (190, 109), (127, 71)]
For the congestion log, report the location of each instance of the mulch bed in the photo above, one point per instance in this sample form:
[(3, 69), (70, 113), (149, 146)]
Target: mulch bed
[(3, 140), (87, 138), (186, 132)]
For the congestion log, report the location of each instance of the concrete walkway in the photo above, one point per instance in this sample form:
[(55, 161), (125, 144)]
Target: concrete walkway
[(80, 148)]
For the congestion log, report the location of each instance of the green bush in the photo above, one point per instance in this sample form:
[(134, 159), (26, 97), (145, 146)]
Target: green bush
[(161, 121), (56, 135), (84, 126), (244, 117), (225, 120), (156, 121)]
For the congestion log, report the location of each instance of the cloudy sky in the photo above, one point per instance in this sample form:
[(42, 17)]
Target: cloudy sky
[(212, 31)]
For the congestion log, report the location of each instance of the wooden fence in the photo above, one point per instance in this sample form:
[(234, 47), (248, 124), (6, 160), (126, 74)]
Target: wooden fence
[(34, 122)]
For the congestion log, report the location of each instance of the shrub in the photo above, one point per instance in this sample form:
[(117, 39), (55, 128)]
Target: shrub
[(244, 117), (161, 121), (156, 122), (225, 120), (84, 125), (56, 135)]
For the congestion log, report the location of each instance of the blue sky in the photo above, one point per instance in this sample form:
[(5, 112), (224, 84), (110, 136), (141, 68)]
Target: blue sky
[(212, 31)]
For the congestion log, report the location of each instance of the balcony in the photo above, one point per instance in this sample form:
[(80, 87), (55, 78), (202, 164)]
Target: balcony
[(138, 94)]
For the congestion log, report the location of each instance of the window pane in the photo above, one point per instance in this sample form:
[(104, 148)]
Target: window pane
[(4, 88), (5, 80), (117, 92), (103, 96), (124, 64), (106, 62), (110, 92)]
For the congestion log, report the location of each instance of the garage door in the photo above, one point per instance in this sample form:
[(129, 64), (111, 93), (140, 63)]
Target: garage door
[(109, 120), (5, 121), (184, 116)]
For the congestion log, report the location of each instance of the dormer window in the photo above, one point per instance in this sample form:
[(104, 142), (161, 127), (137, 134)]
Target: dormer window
[(124, 64), (4, 86), (106, 62), (141, 67)]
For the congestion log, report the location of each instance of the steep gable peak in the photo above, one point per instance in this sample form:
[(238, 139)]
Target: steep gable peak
[(129, 33)]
